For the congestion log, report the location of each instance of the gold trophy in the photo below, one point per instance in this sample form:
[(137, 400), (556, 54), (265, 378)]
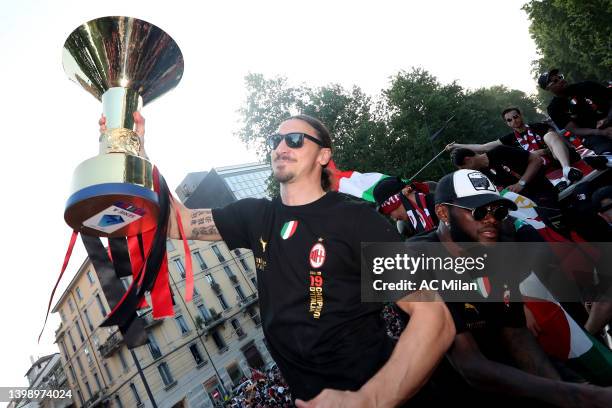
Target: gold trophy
[(125, 63)]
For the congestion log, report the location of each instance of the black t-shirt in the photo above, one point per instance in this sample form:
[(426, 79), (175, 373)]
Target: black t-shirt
[(584, 104), (507, 165), (309, 281), (480, 317), (539, 129)]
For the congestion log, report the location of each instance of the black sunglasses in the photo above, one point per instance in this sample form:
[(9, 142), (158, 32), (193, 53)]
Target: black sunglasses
[(512, 118), (498, 212), (555, 80), (293, 140)]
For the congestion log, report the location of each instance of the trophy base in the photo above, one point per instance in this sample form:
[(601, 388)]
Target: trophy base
[(112, 196)]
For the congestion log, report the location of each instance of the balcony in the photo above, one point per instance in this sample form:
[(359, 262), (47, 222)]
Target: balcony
[(233, 278), (96, 400), (215, 320), (249, 300), (112, 344), (149, 321)]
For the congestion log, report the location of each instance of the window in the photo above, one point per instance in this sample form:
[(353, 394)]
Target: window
[(135, 393), (254, 281), (219, 342), (218, 253), (72, 373), (89, 393), (88, 320), (180, 320), (195, 352), (109, 374), (100, 305), (78, 327), (71, 340), (228, 271), (90, 277), (118, 402), (126, 281), (222, 301), (170, 246), (254, 316), (63, 346), (209, 278), (95, 375), (62, 316), (96, 341), (204, 312), (80, 397), (88, 355), (153, 347), (198, 257), (240, 292), (237, 327), (245, 265), (166, 375), (70, 305), (78, 292), (178, 262), (122, 360)]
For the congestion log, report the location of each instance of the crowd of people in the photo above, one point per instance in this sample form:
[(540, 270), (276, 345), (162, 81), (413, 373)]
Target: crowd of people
[(264, 390)]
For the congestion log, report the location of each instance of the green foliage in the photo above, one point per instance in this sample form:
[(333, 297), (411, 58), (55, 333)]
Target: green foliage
[(574, 36), (389, 134)]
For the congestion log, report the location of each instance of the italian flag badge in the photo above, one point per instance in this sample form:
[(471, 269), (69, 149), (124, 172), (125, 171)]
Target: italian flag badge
[(484, 286), (288, 229)]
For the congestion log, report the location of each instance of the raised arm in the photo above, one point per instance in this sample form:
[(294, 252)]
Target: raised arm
[(198, 224), (477, 148), (419, 349)]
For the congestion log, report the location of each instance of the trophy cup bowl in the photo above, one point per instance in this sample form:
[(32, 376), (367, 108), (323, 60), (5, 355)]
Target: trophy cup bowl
[(125, 63)]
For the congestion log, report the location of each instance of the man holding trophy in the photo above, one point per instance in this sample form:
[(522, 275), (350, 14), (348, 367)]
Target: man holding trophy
[(331, 348)]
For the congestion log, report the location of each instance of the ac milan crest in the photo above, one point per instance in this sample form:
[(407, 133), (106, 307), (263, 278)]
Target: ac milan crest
[(317, 255)]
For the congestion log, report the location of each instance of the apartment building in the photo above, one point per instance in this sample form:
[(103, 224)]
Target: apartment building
[(191, 360)]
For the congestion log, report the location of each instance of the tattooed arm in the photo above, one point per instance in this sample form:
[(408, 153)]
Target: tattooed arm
[(197, 224)]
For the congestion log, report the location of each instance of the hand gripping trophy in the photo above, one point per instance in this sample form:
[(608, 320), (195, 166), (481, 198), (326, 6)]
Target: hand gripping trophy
[(125, 63)]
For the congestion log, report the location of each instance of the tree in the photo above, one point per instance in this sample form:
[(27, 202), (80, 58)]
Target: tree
[(388, 134), (574, 36)]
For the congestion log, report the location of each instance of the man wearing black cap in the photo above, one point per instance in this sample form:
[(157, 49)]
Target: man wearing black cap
[(471, 210), (582, 108), (411, 205)]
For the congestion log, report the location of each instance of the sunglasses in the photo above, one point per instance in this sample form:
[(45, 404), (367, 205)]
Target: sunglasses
[(293, 140), (512, 118), (498, 212), (555, 80)]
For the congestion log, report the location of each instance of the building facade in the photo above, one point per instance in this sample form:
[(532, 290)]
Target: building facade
[(191, 360), (224, 185)]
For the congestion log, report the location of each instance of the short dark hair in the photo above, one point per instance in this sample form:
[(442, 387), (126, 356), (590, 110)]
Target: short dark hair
[(325, 137), (458, 156), (510, 109)]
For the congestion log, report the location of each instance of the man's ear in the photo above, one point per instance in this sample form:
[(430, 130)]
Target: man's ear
[(442, 213), (324, 156)]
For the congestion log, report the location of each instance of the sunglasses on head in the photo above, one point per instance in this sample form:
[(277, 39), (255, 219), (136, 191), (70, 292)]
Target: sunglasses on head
[(293, 140), (554, 80), (499, 212), (512, 118)]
